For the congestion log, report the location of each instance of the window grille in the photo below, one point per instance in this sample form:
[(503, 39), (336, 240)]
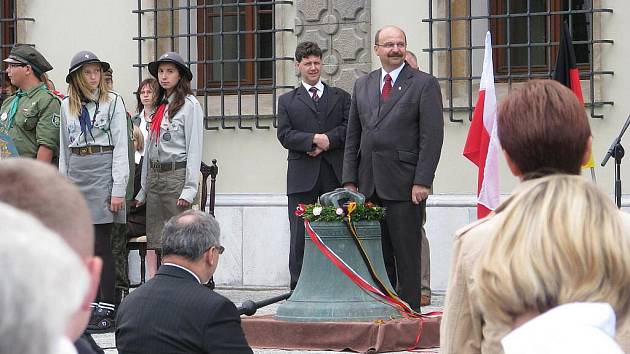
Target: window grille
[(8, 32), (229, 45), (525, 40)]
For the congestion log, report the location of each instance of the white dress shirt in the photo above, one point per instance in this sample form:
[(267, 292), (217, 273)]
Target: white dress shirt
[(184, 268), (319, 86), (393, 74)]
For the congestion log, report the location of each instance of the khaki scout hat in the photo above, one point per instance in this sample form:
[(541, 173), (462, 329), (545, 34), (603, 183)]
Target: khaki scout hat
[(26, 54), (171, 57), (84, 57)]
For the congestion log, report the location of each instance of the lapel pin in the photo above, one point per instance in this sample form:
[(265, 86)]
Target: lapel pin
[(399, 88)]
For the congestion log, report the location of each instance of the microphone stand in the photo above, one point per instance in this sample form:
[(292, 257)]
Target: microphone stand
[(616, 150)]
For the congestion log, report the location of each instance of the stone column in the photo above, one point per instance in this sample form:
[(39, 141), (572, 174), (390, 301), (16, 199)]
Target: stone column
[(342, 29)]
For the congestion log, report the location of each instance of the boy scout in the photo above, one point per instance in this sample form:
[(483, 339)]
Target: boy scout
[(31, 115)]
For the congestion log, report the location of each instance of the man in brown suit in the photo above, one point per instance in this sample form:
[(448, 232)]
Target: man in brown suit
[(393, 145), (543, 129)]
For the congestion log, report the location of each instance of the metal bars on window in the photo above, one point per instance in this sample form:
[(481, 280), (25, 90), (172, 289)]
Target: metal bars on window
[(230, 47), (525, 36), (9, 20)]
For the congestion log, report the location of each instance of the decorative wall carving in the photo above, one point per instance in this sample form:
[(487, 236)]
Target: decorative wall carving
[(342, 29)]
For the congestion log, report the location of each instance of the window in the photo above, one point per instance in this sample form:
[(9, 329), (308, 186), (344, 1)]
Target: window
[(531, 28), (7, 32), (237, 49), (231, 48), (525, 36)]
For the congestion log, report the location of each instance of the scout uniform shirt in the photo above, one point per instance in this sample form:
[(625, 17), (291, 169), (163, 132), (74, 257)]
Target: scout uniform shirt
[(181, 139), (35, 123), (109, 128)]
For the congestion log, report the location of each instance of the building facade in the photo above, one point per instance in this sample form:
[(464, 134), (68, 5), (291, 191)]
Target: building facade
[(241, 55)]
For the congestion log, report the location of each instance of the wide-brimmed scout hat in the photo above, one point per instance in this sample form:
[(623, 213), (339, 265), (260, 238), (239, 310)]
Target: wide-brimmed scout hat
[(27, 55), (84, 57), (171, 57)]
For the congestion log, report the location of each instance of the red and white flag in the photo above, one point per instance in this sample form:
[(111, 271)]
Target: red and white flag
[(482, 144)]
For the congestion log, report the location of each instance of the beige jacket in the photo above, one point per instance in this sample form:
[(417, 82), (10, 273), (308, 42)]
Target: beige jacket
[(464, 330)]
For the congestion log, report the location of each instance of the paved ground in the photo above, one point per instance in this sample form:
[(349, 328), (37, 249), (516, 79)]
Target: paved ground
[(107, 341)]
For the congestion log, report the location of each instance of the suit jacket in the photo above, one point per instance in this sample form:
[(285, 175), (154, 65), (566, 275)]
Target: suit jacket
[(173, 313), (464, 328), (299, 120), (391, 146)]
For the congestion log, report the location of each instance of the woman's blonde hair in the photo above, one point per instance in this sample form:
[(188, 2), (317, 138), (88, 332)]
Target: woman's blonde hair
[(138, 139), (560, 240), (79, 90)]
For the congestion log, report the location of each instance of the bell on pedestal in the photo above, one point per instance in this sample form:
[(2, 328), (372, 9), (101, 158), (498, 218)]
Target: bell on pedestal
[(325, 293)]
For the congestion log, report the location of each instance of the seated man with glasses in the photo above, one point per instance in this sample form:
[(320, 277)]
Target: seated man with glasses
[(173, 312)]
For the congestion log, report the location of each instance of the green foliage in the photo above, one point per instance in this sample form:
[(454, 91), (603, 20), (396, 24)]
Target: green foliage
[(366, 212)]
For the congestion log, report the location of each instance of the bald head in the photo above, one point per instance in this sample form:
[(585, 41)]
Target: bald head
[(394, 29), (39, 189)]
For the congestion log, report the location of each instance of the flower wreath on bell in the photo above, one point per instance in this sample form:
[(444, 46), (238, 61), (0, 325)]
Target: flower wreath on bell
[(367, 211)]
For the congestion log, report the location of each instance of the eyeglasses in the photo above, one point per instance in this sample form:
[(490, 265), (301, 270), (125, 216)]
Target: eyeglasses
[(219, 249), (390, 45), (15, 65)]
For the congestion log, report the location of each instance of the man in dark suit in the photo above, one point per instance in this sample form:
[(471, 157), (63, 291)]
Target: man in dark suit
[(174, 312), (393, 146), (425, 253), (312, 122)]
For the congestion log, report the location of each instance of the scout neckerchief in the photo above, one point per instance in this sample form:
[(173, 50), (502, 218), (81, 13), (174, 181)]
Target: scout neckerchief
[(16, 103), (157, 121), (86, 122)]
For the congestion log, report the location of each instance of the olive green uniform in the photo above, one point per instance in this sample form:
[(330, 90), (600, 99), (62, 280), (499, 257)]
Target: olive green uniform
[(36, 121)]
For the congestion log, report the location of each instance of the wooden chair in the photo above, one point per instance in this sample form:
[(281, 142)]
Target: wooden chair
[(140, 243)]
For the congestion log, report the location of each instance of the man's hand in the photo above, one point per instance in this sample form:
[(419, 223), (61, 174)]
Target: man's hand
[(322, 142), (116, 204), (136, 203), (315, 152), (182, 203), (351, 187), (419, 193)]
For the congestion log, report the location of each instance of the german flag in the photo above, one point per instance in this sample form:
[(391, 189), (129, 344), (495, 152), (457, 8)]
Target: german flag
[(567, 72)]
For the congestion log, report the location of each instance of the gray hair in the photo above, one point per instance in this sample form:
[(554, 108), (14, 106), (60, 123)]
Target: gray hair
[(192, 237), (40, 275)]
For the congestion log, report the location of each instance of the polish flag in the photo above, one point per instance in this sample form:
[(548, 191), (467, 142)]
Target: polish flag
[(482, 144)]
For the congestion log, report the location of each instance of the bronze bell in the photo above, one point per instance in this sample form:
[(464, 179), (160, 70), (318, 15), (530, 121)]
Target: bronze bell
[(325, 293)]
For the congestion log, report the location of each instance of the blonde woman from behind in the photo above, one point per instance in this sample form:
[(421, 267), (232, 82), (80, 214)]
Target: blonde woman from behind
[(557, 269)]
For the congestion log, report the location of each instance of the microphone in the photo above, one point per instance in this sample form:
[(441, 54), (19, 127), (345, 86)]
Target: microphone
[(250, 307)]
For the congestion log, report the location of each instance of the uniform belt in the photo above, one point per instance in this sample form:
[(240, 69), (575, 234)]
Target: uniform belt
[(89, 150), (166, 166)]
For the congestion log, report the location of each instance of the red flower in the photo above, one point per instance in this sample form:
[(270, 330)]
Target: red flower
[(369, 205), (300, 210)]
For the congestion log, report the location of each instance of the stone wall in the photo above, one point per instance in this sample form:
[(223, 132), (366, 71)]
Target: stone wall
[(342, 29)]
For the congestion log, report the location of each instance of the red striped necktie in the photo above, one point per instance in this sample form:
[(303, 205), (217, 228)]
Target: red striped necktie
[(314, 96)]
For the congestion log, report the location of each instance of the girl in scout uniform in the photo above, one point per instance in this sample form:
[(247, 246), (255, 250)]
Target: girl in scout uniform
[(172, 154), (94, 156), (145, 108)]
